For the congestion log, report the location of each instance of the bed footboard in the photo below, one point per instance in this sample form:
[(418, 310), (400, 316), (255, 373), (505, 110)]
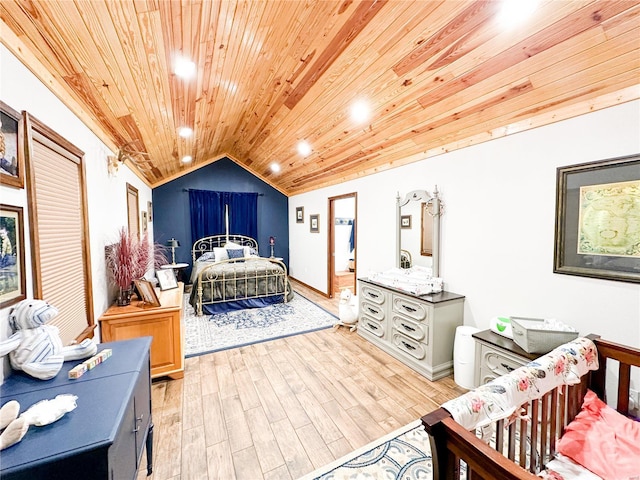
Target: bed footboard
[(251, 278)]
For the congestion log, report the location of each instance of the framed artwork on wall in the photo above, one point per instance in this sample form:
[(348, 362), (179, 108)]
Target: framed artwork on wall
[(299, 214), (314, 223), (598, 219), (145, 225), (405, 221), (11, 147), (12, 272), (147, 293), (150, 211)]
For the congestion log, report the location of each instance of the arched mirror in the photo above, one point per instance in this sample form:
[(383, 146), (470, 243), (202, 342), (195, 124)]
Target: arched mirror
[(418, 230)]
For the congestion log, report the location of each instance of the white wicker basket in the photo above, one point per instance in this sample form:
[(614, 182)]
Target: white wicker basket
[(532, 339)]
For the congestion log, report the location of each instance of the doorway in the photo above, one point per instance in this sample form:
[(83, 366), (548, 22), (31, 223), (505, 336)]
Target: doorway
[(342, 243)]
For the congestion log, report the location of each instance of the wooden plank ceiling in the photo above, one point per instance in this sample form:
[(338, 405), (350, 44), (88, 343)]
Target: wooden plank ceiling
[(438, 75)]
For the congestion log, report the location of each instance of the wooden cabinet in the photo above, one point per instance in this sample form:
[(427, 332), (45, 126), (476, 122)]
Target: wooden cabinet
[(103, 437), (497, 355), (418, 330), (163, 323)]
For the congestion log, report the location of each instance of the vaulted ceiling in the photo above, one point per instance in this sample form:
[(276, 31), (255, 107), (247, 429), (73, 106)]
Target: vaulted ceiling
[(438, 75)]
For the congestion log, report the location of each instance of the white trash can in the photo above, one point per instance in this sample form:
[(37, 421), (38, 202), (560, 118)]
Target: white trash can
[(464, 356)]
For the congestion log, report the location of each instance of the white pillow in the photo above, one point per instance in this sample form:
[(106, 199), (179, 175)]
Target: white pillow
[(220, 253), (232, 245)]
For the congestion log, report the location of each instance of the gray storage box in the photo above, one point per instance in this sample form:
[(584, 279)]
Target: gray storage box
[(532, 339)]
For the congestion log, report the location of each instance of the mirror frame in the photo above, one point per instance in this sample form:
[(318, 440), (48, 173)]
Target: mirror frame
[(421, 196)]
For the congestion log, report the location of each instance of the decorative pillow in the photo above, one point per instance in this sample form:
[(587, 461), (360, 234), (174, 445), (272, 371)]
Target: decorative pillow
[(220, 253), (252, 252), (235, 253), (207, 256)]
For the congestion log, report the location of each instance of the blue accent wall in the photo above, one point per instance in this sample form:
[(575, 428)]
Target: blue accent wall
[(171, 207)]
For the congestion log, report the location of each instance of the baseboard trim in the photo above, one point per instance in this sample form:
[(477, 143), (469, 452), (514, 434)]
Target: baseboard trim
[(326, 295)]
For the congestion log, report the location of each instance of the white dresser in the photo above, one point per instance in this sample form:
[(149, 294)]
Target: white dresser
[(497, 355), (417, 330)]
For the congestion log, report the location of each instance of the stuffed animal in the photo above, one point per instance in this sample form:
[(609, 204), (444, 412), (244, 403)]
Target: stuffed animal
[(36, 348), (348, 310), (13, 427)]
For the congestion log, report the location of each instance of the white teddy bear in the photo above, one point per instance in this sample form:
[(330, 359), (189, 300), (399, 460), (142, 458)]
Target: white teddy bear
[(348, 310), (36, 348)]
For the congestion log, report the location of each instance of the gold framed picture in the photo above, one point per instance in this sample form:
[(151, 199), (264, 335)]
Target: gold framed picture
[(147, 293)]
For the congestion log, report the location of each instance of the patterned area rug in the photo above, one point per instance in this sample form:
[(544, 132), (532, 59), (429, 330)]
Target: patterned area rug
[(211, 333), (402, 455)]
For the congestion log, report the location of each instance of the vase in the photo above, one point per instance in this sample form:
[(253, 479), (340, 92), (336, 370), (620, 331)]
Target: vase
[(124, 297)]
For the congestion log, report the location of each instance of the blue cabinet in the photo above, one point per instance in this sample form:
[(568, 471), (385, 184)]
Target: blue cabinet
[(103, 438)]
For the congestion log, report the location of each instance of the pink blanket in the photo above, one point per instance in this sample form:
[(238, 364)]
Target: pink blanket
[(603, 440)]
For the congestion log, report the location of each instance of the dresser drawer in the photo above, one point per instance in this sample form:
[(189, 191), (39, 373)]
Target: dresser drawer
[(372, 326), (372, 294), (410, 308), (409, 346), (496, 363), (372, 310), (411, 328)]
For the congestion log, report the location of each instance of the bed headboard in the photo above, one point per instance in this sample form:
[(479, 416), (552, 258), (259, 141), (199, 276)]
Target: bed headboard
[(207, 244)]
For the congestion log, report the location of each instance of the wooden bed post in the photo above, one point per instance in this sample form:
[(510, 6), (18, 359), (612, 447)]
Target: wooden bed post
[(440, 455)]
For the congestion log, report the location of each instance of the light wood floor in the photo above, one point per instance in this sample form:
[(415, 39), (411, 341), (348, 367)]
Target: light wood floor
[(281, 409)]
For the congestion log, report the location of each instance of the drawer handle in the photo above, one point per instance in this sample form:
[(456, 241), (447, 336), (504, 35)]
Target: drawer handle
[(372, 310), (408, 327), (408, 308), (373, 295), (408, 346), (137, 429), (507, 367), (372, 326)]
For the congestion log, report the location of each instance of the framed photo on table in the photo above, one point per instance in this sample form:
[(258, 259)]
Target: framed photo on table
[(166, 278), (147, 293), (598, 219), (11, 147), (12, 272)]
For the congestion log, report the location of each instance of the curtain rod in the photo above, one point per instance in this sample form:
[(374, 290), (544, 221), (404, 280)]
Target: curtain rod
[(189, 189)]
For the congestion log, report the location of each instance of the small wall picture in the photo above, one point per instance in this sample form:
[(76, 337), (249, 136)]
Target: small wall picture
[(150, 211), (299, 214), (11, 147), (405, 221), (314, 223), (12, 279), (145, 225)]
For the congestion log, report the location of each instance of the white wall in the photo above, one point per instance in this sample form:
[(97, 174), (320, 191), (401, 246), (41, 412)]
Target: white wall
[(498, 226), (21, 90)]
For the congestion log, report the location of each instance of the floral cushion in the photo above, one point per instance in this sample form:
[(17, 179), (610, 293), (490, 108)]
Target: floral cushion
[(500, 398)]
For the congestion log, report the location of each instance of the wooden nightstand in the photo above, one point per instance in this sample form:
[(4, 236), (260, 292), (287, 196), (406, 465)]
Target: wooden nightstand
[(163, 323)]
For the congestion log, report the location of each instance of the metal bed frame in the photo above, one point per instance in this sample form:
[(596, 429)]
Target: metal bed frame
[(247, 274)]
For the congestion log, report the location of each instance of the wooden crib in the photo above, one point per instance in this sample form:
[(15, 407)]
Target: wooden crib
[(550, 414)]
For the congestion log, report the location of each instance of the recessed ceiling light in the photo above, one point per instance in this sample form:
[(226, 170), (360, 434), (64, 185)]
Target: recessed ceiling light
[(304, 148), (514, 12), (186, 159), (360, 111), (184, 67), (185, 132), (275, 168)]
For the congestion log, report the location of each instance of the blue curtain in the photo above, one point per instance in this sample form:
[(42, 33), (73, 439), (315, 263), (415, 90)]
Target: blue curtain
[(243, 214), (206, 209), (207, 212)]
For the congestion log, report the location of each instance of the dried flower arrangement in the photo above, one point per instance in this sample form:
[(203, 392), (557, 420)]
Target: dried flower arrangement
[(129, 259)]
